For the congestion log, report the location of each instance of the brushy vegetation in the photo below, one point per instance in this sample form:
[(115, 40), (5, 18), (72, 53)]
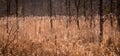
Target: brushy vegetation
[(34, 37)]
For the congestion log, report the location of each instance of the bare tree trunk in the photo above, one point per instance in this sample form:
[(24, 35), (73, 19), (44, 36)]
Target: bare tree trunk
[(23, 9), (50, 10), (33, 5), (84, 9), (77, 6), (91, 7), (111, 11), (16, 1), (17, 14), (68, 6), (8, 7), (8, 13), (69, 12), (66, 3), (118, 14), (101, 19)]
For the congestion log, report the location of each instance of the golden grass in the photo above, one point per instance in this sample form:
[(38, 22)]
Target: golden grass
[(36, 38)]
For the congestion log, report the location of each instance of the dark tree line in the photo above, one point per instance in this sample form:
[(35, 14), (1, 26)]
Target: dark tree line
[(77, 7)]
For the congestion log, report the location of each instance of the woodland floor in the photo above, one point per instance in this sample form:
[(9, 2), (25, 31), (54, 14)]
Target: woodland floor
[(33, 36)]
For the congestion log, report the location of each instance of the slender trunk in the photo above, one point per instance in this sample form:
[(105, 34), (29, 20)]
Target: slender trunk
[(101, 19), (77, 5), (118, 14), (68, 7), (111, 11), (16, 1), (66, 4), (91, 20), (17, 14), (8, 13), (84, 9), (50, 10), (17, 8), (23, 9), (33, 5), (8, 7), (77, 19)]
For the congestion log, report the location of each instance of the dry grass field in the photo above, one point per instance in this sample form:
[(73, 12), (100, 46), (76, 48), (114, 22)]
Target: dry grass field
[(35, 37)]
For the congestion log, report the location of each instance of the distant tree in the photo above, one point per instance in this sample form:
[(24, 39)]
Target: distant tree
[(69, 6), (118, 14), (111, 11), (8, 7), (101, 19), (16, 1), (77, 6), (91, 8), (17, 14), (8, 12), (66, 7), (23, 8), (84, 6), (33, 7), (50, 13), (68, 12)]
